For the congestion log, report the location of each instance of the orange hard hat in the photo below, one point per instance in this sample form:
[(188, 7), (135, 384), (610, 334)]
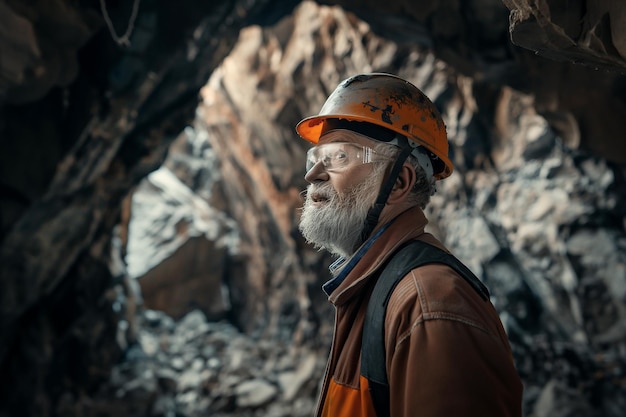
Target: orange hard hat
[(390, 102)]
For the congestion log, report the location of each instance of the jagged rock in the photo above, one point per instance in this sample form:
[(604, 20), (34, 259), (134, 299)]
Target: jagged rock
[(292, 381), (583, 31), (472, 239), (167, 214), (254, 393), (40, 46), (561, 401), (178, 245)]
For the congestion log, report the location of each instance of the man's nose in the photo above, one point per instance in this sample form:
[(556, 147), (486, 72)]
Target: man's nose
[(317, 173)]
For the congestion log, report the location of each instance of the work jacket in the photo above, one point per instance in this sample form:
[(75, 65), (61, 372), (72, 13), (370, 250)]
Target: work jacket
[(447, 353)]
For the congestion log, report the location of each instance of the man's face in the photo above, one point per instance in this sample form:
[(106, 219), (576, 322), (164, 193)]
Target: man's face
[(338, 200)]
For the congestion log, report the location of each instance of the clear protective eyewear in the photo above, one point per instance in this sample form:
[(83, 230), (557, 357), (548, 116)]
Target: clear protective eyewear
[(336, 156)]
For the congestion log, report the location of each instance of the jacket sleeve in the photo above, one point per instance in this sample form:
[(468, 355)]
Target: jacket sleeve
[(446, 359)]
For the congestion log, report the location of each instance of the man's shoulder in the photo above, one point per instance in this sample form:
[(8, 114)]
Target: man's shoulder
[(427, 284), (430, 270), (437, 290), (433, 294)]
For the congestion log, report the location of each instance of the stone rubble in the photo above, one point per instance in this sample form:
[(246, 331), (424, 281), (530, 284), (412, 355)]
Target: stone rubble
[(193, 367)]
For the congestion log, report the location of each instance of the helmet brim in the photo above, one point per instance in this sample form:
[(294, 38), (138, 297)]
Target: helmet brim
[(311, 129)]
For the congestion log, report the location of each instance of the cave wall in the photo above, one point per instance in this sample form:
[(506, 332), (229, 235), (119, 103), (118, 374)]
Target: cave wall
[(83, 119), (74, 144)]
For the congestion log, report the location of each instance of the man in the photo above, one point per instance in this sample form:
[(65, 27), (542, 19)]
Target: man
[(380, 144)]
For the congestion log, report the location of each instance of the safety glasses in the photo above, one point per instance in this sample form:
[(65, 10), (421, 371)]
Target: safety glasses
[(336, 156)]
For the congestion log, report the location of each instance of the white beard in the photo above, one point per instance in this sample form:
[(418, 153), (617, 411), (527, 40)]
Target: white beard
[(337, 224)]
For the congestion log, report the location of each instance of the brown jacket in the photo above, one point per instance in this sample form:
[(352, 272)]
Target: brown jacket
[(447, 352)]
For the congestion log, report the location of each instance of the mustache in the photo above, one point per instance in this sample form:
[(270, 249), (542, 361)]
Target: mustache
[(323, 190)]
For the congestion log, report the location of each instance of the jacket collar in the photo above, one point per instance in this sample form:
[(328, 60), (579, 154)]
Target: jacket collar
[(353, 273)]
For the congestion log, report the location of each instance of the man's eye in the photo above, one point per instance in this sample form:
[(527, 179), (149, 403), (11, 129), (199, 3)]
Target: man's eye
[(340, 157)]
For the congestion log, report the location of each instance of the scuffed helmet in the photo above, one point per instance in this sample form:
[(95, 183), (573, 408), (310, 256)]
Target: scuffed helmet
[(390, 102)]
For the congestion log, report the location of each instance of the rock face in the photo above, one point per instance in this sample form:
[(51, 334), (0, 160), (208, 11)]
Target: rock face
[(166, 174), (178, 245), (586, 32), (68, 161)]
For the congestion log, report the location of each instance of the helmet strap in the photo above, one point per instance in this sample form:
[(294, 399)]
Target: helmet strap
[(374, 212)]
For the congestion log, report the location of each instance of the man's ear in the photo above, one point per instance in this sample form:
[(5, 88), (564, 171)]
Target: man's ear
[(403, 185)]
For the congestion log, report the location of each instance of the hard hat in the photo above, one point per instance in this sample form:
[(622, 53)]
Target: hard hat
[(387, 101)]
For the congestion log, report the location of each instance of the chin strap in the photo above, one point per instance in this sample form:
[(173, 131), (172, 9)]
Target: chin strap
[(374, 212)]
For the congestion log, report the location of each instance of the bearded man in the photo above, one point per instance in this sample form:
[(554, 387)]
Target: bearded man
[(379, 146)]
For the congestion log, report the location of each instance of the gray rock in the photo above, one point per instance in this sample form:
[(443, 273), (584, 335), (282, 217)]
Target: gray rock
[(255, 393)]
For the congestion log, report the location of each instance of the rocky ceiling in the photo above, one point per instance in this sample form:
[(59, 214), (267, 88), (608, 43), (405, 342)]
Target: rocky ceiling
[(49, 47), (94, 92)]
